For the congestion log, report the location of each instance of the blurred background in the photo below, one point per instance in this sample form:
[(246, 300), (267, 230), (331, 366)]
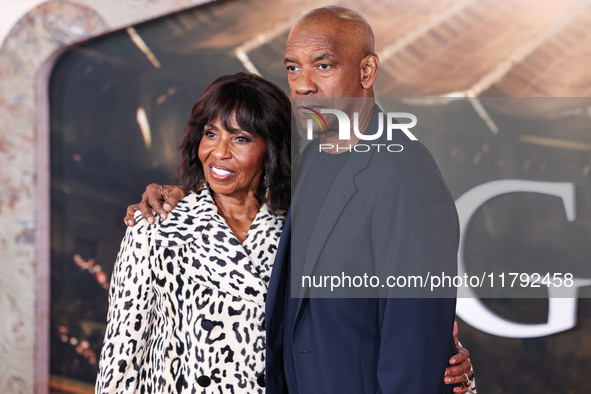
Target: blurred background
[(509, 88)]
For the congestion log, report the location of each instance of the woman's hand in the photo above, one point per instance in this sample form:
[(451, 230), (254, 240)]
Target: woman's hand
[(460, 369), (161, 199)]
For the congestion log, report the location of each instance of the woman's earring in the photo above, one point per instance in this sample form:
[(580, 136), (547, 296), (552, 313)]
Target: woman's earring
[(267, 192)]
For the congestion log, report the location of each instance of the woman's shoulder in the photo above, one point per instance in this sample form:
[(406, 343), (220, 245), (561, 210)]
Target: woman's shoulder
[(187, 221), (195, 204)]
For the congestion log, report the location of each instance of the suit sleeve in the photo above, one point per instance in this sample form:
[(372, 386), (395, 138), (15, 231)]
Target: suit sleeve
[(128, 319), (414, 231)]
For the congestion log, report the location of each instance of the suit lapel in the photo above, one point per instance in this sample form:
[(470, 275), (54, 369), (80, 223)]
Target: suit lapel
[(339, 194), (341, 191)]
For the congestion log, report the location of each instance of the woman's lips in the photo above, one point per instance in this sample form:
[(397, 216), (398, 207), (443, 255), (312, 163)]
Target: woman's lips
[(220, 173)]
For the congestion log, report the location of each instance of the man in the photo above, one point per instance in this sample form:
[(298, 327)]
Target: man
[(354, 345)]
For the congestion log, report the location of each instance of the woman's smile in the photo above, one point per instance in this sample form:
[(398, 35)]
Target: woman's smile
[(220, 173)]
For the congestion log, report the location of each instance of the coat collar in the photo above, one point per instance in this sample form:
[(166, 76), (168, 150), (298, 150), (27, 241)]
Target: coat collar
[(218, 258), (195, 215)]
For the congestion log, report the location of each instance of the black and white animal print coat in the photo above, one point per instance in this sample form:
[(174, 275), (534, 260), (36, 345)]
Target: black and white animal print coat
[(187, 302)]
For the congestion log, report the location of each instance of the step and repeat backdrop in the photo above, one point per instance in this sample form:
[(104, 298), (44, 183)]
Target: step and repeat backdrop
[(499, 93)]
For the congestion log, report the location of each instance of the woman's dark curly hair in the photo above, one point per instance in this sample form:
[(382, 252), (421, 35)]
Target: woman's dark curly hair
[(262, 109)]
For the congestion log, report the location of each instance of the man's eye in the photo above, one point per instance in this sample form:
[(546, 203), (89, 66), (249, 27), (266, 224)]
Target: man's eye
[(324, 66), (292, 68)]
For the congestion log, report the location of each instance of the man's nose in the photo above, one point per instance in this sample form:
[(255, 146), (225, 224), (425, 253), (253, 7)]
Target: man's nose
[(305, 84)]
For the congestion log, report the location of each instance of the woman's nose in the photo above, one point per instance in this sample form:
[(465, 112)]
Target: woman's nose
[(221, 149)]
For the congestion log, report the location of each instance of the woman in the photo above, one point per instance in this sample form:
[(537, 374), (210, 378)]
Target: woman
[(186, 305)]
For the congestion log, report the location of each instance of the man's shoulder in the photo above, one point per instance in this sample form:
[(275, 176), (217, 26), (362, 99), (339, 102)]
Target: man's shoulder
[(405, 153), (412, 158)]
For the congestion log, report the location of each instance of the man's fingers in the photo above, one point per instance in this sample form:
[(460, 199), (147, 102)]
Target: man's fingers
[(128, 219), (456, 376), (455, 333), (460, 357), (152, 199), (147, 211), (156, 204), (156, 198), (458, 371), (173, 194)]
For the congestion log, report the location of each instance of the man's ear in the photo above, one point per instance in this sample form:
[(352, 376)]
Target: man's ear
[(369, 70)]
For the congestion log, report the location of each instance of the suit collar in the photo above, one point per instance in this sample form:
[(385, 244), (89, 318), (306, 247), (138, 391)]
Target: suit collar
[(356, 163), (359, 161)]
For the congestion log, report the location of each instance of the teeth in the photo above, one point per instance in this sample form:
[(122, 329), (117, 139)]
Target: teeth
[(218, 171)]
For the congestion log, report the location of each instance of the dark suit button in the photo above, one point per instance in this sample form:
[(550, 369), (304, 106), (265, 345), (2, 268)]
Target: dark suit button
[(207, 324), (204, 381), (261, 380)]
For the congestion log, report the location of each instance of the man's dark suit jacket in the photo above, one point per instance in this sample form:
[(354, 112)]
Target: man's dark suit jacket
[(404, 216)]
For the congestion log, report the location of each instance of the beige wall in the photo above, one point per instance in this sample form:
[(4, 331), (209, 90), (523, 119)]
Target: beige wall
[(26, 58)]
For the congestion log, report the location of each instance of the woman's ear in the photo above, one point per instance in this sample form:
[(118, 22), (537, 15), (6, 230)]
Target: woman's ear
[(369, 70)]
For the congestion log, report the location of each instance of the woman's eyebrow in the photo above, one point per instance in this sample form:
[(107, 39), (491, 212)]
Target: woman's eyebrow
[(234, 131), (231, 131)]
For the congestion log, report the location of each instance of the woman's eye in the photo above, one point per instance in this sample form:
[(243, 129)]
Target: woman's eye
[(209, 134), (242, 138)]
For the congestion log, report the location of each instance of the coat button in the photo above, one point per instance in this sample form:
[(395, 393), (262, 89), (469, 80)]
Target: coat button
[(261, 380), (204, 381), (207, 324)]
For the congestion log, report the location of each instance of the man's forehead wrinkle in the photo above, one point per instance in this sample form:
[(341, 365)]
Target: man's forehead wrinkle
[(317, 41), (350, 34)]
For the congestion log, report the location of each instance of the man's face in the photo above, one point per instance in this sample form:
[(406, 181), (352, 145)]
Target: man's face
[(320, 64)]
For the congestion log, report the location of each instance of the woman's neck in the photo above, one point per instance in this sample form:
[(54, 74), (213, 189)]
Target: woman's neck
[(238, 211)]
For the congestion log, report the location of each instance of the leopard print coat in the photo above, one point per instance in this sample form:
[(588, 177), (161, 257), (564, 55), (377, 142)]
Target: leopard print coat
[(186, 304)]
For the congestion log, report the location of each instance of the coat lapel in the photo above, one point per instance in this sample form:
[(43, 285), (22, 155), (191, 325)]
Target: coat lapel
[(207, 251)]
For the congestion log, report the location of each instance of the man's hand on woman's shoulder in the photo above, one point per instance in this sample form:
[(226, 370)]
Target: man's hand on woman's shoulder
[(157, 198)]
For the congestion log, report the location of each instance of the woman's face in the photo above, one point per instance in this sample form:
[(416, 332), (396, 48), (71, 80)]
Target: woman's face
[(232, 160)]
